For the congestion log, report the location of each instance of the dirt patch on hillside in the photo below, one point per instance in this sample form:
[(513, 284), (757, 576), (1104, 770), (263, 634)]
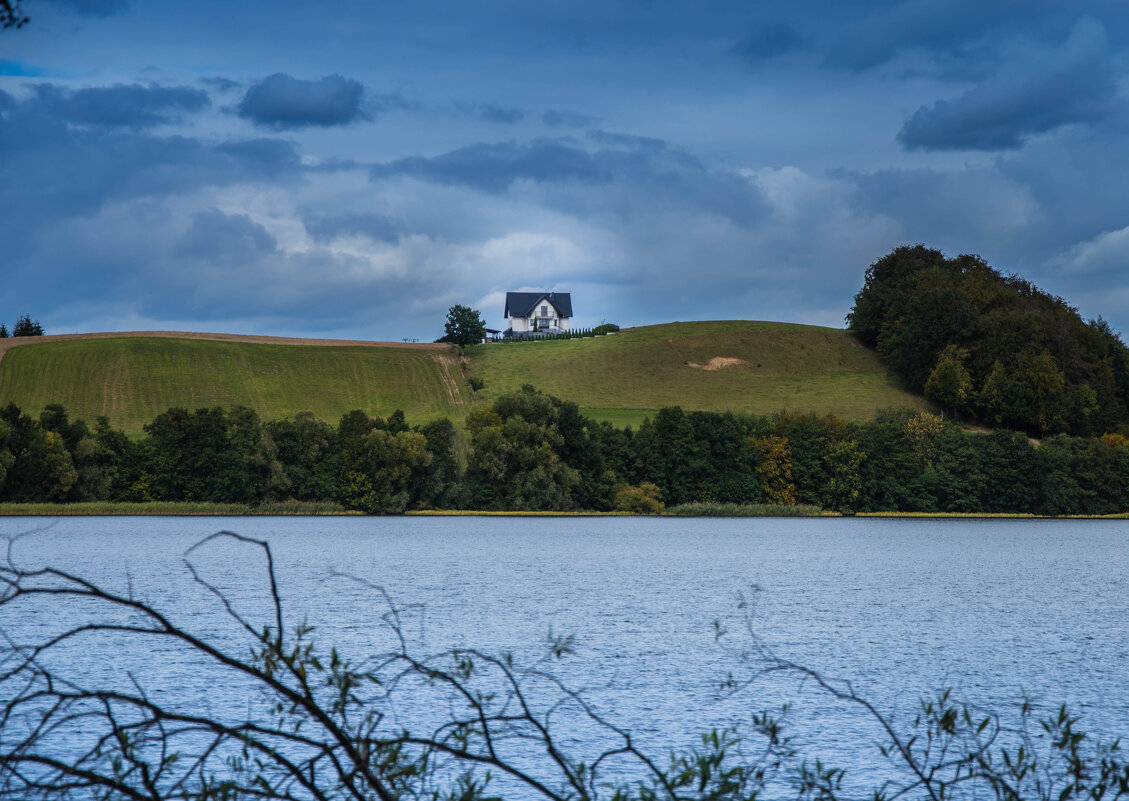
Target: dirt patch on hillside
[(718, 363), (12, 342), (450, 373)]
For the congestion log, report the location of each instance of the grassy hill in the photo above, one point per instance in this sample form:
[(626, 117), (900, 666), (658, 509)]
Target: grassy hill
[(133, 379), (715, 366), (726, 365)]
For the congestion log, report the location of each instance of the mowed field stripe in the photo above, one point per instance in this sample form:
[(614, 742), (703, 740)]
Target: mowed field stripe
[(133, 379)]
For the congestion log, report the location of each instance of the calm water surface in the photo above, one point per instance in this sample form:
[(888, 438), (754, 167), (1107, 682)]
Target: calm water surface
[(995, 609)]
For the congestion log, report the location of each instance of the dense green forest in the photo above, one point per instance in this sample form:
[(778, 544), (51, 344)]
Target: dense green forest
[(990, 347), (531, 451)]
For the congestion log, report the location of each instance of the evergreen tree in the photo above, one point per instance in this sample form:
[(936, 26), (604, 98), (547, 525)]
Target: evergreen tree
[(27, 327)]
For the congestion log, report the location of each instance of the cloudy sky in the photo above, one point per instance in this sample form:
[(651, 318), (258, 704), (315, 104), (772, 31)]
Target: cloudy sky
[(354, 168)]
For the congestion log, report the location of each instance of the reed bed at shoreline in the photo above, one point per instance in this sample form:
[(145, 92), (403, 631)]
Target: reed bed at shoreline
[(297, 508), (713, 509), (992, 515), (508, 513), (169, 508)]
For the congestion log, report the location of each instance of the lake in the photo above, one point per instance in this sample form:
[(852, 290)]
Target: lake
[(996, 609)]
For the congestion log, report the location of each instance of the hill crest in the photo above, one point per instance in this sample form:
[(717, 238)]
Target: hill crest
[(8, 343), (727, 365)]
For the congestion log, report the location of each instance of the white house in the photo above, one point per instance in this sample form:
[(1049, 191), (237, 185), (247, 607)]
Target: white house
[(548, 312)]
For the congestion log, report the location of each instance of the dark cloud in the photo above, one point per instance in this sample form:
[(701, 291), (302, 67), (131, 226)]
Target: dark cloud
[(495, 167), (283, 102), (131, 106), (231, 238), (1046, 211), (1073, 84), (325, 228), (770, 40), (874, 33), (957, 210), (310, 291), (221, 84), (501, 114), (644, 171), (260, 159), (52, 170), (1072, 179), (78, 176), (567, 119)]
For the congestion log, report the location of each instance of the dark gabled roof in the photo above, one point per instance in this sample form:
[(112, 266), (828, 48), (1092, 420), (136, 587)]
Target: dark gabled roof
[(520, 304)]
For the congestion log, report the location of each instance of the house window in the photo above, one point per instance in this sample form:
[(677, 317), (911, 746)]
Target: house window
[(544, 311)]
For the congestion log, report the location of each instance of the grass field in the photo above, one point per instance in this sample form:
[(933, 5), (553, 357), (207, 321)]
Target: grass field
[(715, 366), (132, 380)]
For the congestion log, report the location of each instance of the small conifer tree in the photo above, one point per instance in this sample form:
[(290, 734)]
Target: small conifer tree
[(27, 327)]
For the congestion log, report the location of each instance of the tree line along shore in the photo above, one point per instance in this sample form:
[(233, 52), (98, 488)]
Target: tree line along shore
[(531, 452)]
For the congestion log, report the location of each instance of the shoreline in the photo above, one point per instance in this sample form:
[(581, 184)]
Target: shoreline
[(188, 509)]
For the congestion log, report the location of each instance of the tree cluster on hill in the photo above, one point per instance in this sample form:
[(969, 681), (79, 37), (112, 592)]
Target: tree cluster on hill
[(531, 451), (990, 347), (24, 327)]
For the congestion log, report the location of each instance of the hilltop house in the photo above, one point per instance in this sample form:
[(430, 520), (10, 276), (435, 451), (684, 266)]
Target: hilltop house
[(544, 312)]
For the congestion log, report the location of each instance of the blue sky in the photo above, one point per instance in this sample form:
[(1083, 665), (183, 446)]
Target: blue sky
[(353, 169)]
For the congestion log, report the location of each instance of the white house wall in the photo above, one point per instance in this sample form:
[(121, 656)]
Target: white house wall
[(562, 322)]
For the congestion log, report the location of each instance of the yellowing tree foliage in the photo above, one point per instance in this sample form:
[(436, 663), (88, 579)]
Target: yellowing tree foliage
[(922, 431), (775, 469), (644, 499)]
